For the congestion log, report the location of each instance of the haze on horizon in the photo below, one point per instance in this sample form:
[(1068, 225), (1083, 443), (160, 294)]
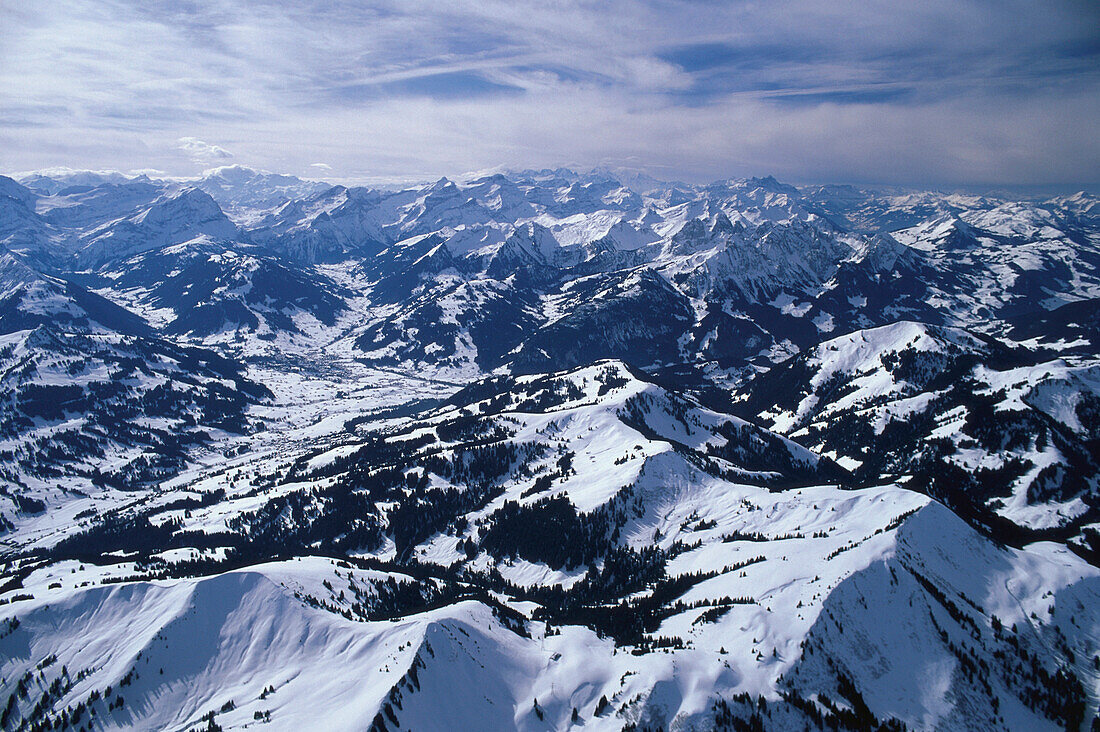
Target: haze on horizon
[(941, 93)]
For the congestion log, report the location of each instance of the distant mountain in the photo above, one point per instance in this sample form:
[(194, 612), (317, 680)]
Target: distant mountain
[(83, 208), (53, 181), (170, 219), (203, 287), (329, 225), (21, 229), (237, 188)]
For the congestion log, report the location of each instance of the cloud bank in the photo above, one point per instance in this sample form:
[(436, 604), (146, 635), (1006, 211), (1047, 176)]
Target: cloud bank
[(962, 92)]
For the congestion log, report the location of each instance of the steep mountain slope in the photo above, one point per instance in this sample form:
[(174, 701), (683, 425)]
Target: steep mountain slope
[(21, 230), (462, 325), (633, 315), (29, 299), (1007, 261), (1073, 328)]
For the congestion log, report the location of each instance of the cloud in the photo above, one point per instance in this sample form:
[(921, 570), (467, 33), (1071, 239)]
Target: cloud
[(944, 92), (321, 166), (201, 152)]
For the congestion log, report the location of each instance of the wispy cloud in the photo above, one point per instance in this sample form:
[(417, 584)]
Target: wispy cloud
[(940, 92)]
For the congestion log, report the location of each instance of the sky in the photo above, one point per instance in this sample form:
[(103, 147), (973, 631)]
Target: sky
[(962, 93)]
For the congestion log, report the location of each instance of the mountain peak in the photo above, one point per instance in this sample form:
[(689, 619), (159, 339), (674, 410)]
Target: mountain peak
[(191, 204), (723, 226)]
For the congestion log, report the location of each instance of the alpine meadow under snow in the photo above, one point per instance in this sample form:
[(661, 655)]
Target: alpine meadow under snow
[(546, 450)]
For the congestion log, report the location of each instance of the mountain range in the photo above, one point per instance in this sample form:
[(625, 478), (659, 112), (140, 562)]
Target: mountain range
[(546, 450)]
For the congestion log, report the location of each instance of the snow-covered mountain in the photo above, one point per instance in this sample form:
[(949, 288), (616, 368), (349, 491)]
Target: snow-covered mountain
[(245, 192), (546, 450), (799, 263), (92, 397), (529, 568), (1002, 435), (202, 287), (170, 219)]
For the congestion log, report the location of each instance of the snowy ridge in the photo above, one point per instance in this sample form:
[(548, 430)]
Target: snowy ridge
[(277, 632)]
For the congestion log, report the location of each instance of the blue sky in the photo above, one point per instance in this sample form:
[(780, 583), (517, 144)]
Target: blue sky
[(960, 93)]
